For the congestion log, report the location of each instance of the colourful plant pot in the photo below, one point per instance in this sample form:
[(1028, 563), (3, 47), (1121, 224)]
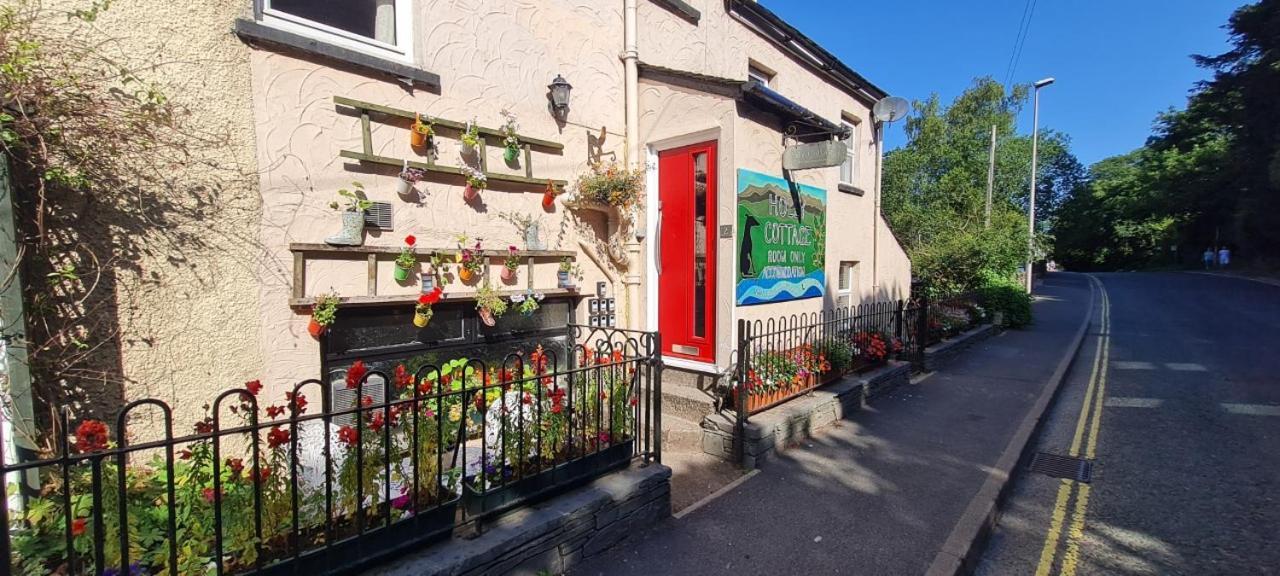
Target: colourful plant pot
[(401, 274), (403, 186), (486, 316), (548, 200), (465, 275), (508, 275), (420, 320), (417, 139), (470, 193), (316, 329), (509, 154), (562, 280)]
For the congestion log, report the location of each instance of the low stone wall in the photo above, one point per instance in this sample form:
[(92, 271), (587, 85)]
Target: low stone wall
[(552, 536), (940, 354), (775, 429)]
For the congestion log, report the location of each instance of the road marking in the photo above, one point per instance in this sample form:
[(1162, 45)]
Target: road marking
[(1186, 367), (1132, 365), (1089, 419), (1252, 409), (1123, 402)]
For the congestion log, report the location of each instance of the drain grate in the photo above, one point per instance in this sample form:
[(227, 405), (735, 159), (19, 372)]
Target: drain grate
[(1058, 466)]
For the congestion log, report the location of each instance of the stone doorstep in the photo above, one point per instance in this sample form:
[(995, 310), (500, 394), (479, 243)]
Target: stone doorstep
[(773, 430), (551, 535), (685, 402), (680, 434), (940, 354)]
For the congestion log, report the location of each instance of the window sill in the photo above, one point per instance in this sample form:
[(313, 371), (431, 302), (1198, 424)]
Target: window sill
[(850, 189), (251, 31)]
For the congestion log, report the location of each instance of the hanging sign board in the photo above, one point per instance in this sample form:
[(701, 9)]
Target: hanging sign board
[(823, 154), (782, 240)]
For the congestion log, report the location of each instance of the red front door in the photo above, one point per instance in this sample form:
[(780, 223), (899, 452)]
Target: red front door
[(687, 236)]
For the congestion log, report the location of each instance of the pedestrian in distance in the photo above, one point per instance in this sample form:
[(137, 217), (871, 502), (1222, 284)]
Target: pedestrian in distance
[(1208, 258), (1224, 257)]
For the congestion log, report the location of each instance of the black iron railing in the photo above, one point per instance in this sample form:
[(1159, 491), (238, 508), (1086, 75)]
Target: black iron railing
[(952, 315), (298, 487), (781, 358)]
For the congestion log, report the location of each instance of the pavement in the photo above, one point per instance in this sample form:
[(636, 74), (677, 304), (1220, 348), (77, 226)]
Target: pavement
[(888, 488), (1176, 401)]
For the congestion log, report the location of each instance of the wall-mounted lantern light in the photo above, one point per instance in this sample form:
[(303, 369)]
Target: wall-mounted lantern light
[(559, 89)]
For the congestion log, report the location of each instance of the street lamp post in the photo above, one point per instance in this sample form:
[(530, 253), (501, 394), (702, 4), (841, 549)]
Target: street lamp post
[(1031, 214)]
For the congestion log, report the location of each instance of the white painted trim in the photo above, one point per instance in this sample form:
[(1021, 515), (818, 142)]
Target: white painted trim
[(686, 139), (402, 51), (694, 365)]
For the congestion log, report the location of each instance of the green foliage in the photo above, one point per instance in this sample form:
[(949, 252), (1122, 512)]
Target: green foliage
[(325, 310), (935, 187), (1209, 176), (1009, 298), (352, 200)]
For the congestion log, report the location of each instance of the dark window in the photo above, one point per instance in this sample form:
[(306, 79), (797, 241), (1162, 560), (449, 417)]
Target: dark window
[(359, 17)]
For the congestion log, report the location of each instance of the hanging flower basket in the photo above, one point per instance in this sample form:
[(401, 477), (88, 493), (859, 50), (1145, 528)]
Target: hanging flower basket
[(549, 196), (409, 177), (420, 132), (323, 314)]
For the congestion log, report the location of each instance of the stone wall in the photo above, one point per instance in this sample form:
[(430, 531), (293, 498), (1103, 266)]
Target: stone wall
[(555, 535)]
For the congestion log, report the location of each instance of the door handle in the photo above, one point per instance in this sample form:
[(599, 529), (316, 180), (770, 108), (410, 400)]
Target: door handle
[(657, 241)]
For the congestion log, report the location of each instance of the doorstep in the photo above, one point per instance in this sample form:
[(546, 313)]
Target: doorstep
[(553, 535), (775, 429)]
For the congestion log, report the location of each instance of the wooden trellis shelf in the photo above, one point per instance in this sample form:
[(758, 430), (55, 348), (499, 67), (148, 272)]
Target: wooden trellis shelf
[(371, 255), (527, 144)]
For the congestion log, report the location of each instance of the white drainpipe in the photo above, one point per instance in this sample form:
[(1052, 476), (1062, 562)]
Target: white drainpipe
[(630, 60)]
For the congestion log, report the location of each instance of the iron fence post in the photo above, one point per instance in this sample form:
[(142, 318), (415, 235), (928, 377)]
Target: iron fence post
[(922, 320), (740, 403), (656, 386)]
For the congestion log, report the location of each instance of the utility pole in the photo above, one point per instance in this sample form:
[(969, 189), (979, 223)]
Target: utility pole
[(991, 175)]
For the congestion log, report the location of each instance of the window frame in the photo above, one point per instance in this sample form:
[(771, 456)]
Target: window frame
[(851, 155), (760, 73), (846, 277), (401, 52)]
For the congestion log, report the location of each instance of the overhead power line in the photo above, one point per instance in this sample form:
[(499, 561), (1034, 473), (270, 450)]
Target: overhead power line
[(1019, 41)]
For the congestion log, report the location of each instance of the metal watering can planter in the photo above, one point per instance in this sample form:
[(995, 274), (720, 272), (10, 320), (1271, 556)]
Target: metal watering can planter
[(421, 319), (509, 154), (470, 193), (401, 274)]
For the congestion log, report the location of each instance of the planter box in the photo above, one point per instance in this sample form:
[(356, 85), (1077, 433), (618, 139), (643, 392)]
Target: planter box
[(378, 542), (544, 483)]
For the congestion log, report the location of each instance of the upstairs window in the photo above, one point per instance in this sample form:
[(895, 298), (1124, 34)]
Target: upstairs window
[(759, 73), (377, 27), (849, 168)]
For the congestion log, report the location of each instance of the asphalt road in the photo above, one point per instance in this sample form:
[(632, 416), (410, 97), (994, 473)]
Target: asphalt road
[(1175, 397)]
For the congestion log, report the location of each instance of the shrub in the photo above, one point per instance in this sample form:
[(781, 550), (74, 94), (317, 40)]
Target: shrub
[(1009, 298)]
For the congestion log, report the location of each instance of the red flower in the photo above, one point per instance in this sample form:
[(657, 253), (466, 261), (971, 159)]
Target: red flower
[(479, 401), (424, 388), (204, 426), (402, 377), (91, 436), (348, 435), (528, 398), (410, 240), (557, 400), (617, 356), (236, 465), (366, 401), (184, 454), (275, 411), (355, 373), (299, 400), (209, 495), (539, 359), (277, 437), (78, 526), (263, 474), (375, 422), (253, 386), (634, 400)]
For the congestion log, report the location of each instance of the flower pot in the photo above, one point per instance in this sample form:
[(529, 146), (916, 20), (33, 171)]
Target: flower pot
[(548, 200), (403, 186), (509, 154), (533, 237), (508, 275), (417, 139), (562, 280), (486, 316), (401, 274), (316, 329), (470, 193), (420, 320), (468, 150), (465, 275)]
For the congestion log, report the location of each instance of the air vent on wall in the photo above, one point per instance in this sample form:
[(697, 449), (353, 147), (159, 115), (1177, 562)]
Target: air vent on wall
[(379, 216)]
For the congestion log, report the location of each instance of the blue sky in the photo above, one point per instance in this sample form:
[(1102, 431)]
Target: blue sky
[(1117, 62)]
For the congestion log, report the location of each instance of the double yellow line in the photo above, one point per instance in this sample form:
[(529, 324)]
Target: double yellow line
[(1083, 444)]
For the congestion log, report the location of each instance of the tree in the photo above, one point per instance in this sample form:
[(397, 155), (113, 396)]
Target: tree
[(935, 187)]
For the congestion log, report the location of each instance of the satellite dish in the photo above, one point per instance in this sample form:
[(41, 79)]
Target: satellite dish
[(890, 109)]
